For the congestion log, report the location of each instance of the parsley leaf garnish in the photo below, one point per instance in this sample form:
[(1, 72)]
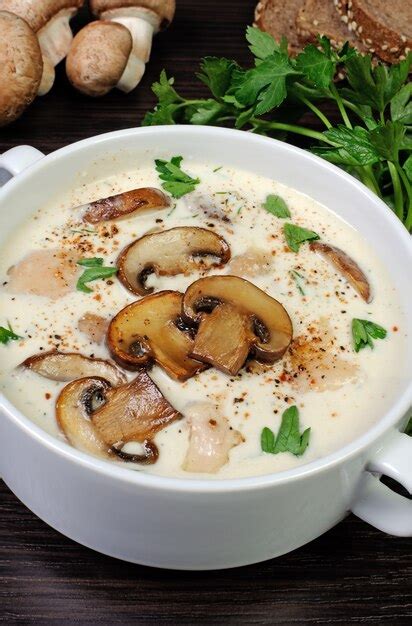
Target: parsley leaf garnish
[(264, 86), (262, 44), (95, 270), (295, 236), (274, 95), (288, 439), (176, 181), (363, 331), (276, 205), (7, 334), (408, 429), (92, 262), (316, 66)]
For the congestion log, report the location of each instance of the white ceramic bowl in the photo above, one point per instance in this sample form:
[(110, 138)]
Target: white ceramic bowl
[(203, 524)]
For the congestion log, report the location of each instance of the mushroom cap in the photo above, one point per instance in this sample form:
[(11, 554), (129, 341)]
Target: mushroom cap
[(21, 66), (98, 57), (164, 9), (38, 12)]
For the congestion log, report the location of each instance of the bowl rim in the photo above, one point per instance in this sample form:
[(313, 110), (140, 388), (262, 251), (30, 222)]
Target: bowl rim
[(200, 485)]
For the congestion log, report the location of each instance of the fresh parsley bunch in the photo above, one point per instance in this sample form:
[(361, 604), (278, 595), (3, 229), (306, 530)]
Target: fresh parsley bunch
[(374, 139)]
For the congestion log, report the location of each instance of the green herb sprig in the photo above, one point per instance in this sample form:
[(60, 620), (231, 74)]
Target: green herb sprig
[(175, 180), (296, 235), (374, 139), (95, 270), (288, 439), (363, 331), (277, 206), (8, 334)]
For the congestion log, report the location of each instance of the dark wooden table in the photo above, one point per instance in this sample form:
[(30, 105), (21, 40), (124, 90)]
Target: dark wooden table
[(352, 574)]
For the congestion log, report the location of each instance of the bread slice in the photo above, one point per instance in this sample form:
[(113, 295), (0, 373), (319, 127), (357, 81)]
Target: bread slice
[(319, 17), (385, 27), (278, 18)]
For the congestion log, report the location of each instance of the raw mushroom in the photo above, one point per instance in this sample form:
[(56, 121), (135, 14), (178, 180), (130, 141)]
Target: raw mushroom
[(170, 252), (235, 319), (50, 21), (151, 330), (65, 366), (102, 58), (211, 438), (143, 18), (73, 408), (125, 204), (22, 75), (133, 412), (346, 266)]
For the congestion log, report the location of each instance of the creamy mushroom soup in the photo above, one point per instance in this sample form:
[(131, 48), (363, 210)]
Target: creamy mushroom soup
[(255, 314)]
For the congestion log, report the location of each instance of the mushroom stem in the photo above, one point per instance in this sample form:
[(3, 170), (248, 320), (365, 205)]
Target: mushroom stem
[(142, 24), (56, 37), (132, 75), (142, 34), (47, 78)]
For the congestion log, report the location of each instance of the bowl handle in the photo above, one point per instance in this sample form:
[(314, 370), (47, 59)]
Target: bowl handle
[(16, 160), (377, 504)]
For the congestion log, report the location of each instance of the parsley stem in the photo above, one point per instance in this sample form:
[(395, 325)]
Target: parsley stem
[(188, 103), (408, 189), (316, 111), (397, 189), (368, 179), (353, 107), (298, 130), (341, 106)]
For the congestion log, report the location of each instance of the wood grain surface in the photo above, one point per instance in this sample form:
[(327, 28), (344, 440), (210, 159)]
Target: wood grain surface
[(353, 574)]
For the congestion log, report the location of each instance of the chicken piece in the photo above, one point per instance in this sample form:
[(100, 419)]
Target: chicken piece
[(315, 363), (48, 273), (253, 262), (94, 326), (211, 438)]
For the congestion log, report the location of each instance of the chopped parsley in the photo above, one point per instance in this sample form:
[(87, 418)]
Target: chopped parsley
[(175, 180), (7, 334), (288, 439), (277, 206), (95, 270), (295, 236), (363, 331), (299, 280)]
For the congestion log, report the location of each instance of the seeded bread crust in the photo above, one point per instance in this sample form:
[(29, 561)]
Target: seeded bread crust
[(318, 17), (278, 17), (379, 37)]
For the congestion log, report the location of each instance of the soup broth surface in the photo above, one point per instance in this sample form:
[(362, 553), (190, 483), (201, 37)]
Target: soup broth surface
[(353, 393)]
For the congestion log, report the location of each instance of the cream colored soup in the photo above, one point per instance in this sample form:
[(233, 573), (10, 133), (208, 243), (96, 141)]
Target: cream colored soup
[(356, 388)]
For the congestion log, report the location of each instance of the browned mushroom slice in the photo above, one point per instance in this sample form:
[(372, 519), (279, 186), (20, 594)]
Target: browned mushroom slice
[(255, 322), (150, 454), (228, 326), (151, 330), (170, 252), (211, 438), (65, 366), (73, 408), (346, 266), (133, 412), (125, 204)]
